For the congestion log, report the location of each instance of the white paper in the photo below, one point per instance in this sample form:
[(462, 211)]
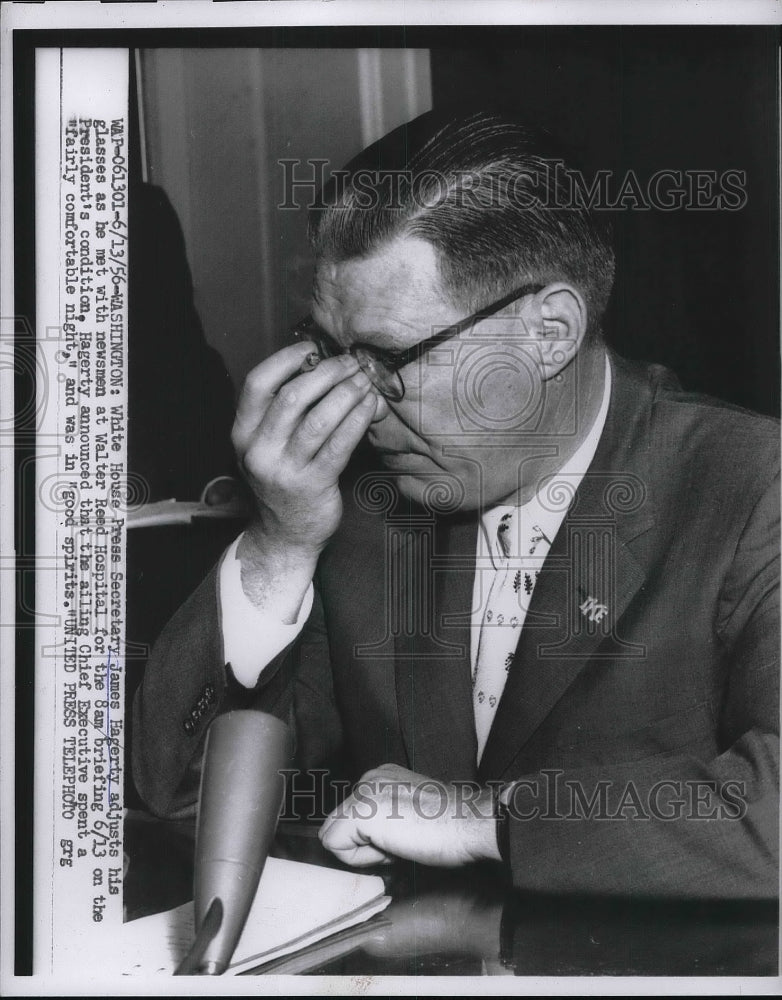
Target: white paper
[(296, 905)]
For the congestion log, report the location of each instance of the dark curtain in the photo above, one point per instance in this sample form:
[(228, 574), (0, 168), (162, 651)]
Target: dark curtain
[(697, 290)]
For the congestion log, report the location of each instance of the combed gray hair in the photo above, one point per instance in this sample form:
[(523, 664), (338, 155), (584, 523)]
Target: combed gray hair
[(490, 194)]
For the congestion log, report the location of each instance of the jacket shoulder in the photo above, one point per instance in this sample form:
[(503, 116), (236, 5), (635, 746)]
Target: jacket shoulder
[(702, 423), (720, 430)]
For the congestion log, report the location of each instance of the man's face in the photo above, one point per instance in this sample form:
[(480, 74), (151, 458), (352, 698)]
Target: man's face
[(471, 408)]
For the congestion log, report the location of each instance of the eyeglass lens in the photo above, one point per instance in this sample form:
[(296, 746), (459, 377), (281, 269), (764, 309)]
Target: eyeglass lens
[(384, 379)]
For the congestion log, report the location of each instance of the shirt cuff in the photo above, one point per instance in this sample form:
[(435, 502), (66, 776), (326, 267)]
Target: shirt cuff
[(252, 637)]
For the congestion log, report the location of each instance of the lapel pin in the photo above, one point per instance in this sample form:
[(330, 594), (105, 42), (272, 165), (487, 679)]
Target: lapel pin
[(593, 610)]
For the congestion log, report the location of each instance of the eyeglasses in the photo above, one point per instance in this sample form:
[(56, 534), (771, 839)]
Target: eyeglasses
[(383, 367)]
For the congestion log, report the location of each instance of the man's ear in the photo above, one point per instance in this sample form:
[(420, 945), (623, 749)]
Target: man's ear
[(557, 321)]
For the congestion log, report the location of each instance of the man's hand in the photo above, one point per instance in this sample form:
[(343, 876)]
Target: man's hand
[(293, 439), (394, 812)]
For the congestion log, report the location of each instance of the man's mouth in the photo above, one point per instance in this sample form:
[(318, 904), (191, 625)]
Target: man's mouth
[(403, 461)]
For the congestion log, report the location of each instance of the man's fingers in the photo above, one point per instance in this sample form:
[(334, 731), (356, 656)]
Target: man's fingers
[(333, 387), (346, 842), (277, 393), (262, 383), (322, 444), (362, 856), (317, 426), (335, 452)]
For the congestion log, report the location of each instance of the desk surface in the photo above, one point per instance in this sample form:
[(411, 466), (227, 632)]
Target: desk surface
[(468, 922)]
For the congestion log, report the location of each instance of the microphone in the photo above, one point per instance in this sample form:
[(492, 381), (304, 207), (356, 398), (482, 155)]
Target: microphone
[(241, 796)]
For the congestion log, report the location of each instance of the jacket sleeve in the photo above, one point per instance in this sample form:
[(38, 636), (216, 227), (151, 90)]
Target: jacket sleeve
[(678, 824), (186, 684)]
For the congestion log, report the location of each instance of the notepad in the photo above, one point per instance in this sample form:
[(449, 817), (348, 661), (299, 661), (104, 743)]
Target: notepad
[(296, 905)]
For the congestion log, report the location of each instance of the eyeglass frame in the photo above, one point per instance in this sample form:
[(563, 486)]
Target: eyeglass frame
[(392, 361)]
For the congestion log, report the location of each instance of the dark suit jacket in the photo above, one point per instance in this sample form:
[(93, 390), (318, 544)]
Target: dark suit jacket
[(673, 695)]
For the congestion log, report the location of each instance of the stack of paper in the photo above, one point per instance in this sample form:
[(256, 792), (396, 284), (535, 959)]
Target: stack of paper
[(295, 906)]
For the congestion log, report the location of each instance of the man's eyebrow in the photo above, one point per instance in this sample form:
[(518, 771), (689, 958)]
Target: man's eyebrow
[(384, 338), (370, 338), (380, 340)]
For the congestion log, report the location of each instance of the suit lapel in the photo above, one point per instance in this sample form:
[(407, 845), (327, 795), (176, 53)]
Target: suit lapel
[(433, 684), (590, 576)]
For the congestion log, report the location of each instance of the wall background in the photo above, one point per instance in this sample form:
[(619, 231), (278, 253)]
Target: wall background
[(697, 290), (216, 122)]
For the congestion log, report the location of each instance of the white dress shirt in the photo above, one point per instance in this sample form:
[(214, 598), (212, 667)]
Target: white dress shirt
[(543, 514), (252, 637)]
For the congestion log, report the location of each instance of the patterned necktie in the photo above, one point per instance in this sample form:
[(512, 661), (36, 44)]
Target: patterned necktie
[(517, 568)]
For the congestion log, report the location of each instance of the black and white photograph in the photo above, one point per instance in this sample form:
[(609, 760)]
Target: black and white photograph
[(390, 498)]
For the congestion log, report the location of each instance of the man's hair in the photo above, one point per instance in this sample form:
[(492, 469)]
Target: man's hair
[(493, 196)]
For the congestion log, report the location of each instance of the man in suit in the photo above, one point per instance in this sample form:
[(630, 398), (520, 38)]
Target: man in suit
[(540, 623)]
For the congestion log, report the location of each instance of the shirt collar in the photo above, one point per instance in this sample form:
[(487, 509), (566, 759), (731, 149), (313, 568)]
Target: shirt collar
[(547, 508)]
